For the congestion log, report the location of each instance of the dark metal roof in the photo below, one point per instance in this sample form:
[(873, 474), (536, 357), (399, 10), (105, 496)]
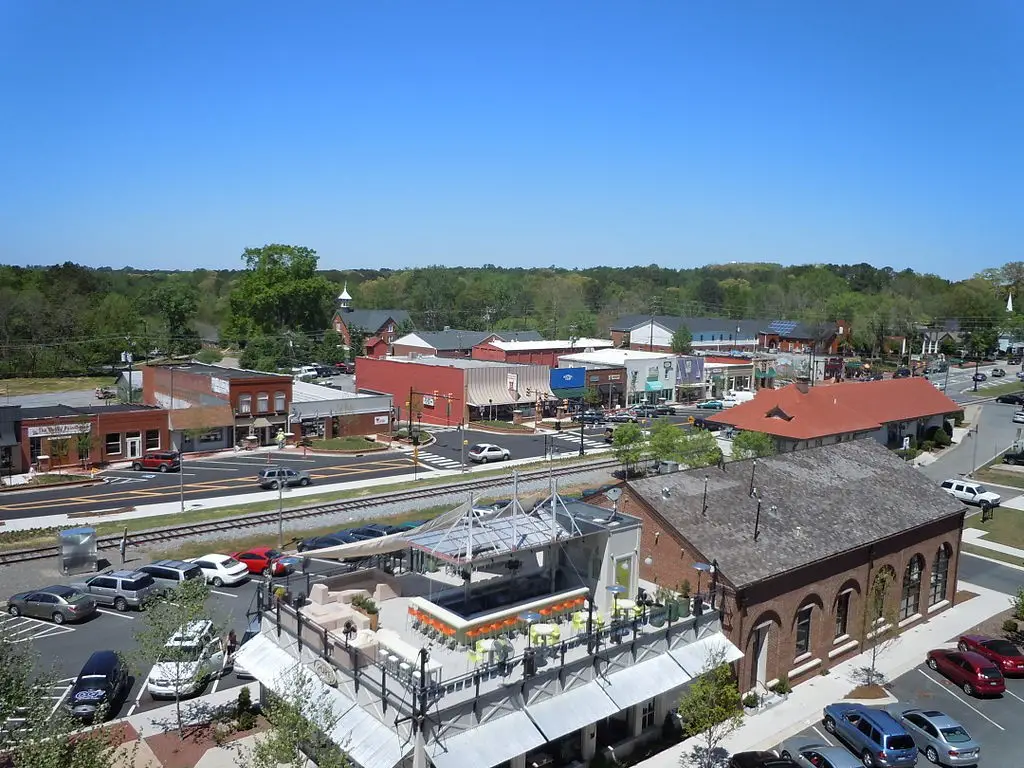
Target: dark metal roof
[(57, 411), (815, 504), (371, 320), (452, 339)]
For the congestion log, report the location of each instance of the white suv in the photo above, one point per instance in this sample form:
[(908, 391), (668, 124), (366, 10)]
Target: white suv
[(191, 657), (971, 492)]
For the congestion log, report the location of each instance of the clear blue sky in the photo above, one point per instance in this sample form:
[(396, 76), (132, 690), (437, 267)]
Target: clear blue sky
[(174, 134)]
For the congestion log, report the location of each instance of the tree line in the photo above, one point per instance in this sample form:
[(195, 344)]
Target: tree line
[(67, 319)]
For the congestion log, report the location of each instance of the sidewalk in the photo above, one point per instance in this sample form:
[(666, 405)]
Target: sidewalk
[(803, 708), (976, 538)]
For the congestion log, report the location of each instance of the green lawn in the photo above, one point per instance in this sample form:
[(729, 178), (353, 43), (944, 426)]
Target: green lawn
[(347, 444), (15, 387), (39, 537), (992, 474), (1005, 527), (1009, 388), (991, 555)]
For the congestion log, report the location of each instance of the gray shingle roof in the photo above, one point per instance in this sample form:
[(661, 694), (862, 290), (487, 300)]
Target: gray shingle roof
[(827, 500), (371, 320), (450, 340)]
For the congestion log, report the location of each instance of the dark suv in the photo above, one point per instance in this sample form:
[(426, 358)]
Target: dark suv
[(171, 574), (161, 461), (100, 686)]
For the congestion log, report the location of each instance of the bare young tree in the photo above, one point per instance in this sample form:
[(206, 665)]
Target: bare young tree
[(880, 624), (710, 710)]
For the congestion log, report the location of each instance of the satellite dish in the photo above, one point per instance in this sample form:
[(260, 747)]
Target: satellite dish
[(614, 493)]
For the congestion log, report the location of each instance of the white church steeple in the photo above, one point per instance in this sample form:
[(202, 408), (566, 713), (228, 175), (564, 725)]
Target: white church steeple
[(1009, 302), (344, 300)]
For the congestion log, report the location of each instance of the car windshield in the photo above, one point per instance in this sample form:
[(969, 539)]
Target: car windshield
[(229, 561), (76, 597), (901, 742), (1003, 648), (273, 554), (478, 448), (180, 653), (955, 735), (91, 682), (980, 489)]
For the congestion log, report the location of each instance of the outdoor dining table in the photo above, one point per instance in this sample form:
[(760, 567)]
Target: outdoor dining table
[(543, 631), (625, 606)]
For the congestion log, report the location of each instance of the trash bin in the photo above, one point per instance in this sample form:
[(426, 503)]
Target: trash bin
[(78, 550), (558, 425)]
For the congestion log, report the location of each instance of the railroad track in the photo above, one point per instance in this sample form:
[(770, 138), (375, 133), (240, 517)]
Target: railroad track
[(174, 532)]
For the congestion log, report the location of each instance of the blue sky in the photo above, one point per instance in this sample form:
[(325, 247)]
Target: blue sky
[(392, 134)]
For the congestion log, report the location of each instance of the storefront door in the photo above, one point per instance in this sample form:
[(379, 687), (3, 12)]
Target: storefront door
[(133, 444)]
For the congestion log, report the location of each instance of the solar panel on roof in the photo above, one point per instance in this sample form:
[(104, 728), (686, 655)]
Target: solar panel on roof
[(782, 327)]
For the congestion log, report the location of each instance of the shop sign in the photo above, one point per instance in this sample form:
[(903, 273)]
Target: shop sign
[(220, 386), (380, 420), (60, 430), (613, 377), (428, 401), (512, 382)]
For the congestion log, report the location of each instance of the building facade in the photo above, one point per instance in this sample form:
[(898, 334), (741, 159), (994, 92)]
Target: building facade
[(327, 412), (237, 406), (791, 545), (377, 325), (535, 352), (650, 376), (709, 334)]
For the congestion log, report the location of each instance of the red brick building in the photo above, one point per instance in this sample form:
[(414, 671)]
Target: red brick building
[(235, 403), (789, 546), (379, 326), (60, 435)]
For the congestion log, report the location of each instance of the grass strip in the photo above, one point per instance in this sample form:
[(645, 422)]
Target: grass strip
[(16, 387)]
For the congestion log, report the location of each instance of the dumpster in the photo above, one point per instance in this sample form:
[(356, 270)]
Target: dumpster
[(78, 550)]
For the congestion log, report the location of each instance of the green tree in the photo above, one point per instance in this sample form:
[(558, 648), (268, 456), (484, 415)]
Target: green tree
[(698, 448), (948, 347), (164, 619), (357, 342), (300, 718), (85, 440), (331, 350), (682, 341), (60, 449), (280, 290), (591, 396), (176, 305), (752, 445), (663, 440), (628, 443), (35, 737), (710, 711), (209, 356)]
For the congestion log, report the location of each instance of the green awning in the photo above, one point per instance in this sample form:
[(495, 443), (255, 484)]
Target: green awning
[(652, 386), (570, 394)]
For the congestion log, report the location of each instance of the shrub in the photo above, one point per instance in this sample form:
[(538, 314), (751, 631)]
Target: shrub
[(209, 356), (1010, 627), (941, 439), (750, 701), (782, 687), (402, 433), (928, 445), (907, 454), (958, 419)]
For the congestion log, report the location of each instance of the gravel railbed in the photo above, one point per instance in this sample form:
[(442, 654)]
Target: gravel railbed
[(31, 575)]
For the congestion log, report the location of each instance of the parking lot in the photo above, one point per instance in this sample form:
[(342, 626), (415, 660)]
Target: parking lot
[(64, 649), (993, 722)]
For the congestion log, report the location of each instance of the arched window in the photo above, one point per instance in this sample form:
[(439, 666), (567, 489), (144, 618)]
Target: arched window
[(911, 598), (940, 575)]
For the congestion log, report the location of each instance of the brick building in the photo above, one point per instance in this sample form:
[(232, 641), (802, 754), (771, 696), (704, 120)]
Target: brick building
[(61, 435), (453, 342), (535, 351), (216, 407), (791, 336), (794, 542), (379, 325), (319, 411)]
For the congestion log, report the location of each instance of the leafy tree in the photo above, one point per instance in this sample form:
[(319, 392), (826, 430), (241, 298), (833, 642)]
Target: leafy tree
[(948, 347), (60, 449), (752, 445), (628, 443), (280, 290), (176, 304), (35, 737), (591, 396), (331, 350), (664, 439), (357, 342), (300, 720), (85, 439), (162, 620), (698, 448), (881, 624), (682, 341), (209, 356), (710, 711)]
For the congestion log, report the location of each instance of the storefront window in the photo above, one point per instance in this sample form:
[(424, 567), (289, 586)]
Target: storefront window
[(940, 575), (112, 443), (213, 436), (911, 587), (245, 403), (35, 447), (262, 402), (152, 439)]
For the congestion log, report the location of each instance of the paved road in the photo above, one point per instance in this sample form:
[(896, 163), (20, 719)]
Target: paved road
[(233, 474), (960, 386), (995, 432)]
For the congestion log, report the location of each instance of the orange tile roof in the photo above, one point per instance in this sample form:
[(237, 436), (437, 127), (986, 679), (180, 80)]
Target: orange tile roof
[(837, 409)]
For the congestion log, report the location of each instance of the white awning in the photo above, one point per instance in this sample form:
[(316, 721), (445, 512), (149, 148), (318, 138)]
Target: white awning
[(694, 657), (571, 710), (644, 681), (368, 741), (394, 542), (265, 660), (489, 744)]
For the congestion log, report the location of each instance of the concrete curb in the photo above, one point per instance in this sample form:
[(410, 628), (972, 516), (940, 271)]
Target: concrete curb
[(13, 491)]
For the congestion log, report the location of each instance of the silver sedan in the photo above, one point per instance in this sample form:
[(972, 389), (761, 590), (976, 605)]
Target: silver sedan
[(814, 754), (942, 739)]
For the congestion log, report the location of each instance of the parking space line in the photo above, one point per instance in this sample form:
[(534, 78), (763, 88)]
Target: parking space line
[(135, 705), (116, 613), (225, 594), (960, 699), (823, 736), (1018, 698)]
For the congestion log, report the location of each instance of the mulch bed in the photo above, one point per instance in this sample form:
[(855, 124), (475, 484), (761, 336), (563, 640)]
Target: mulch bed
[(868, 692), (963, 596), (174, 751)]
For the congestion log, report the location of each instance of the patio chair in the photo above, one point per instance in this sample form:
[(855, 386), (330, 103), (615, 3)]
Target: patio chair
[(475, 658), (579, 620), (555, 636)]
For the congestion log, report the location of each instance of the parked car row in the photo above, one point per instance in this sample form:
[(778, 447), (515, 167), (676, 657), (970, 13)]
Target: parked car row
[(352, 535)]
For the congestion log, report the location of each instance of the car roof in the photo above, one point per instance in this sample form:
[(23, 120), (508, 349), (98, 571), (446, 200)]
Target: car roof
[(100, 663), (190, 632), (977, 659), (180, 564), (937, 718), (215, 557), (255, 550), (126, 574), (57, 589)]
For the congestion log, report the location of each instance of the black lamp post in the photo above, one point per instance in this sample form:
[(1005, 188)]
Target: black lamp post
[(490, 410)]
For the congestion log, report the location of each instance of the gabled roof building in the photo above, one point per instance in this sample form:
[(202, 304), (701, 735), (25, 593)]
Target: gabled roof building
[(378, 324)]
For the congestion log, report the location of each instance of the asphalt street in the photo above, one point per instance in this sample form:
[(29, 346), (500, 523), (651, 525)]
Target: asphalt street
[(992, 433), (233, 474)]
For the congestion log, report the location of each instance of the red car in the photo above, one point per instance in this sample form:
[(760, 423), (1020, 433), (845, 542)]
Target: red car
[(162, 461), (261, 560), (1002, 653), (971, 671)]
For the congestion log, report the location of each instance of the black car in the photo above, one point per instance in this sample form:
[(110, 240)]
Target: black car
[(101, 685), (710, 426), (1013, 457), (645, 411), (1014, 399), (589, 417), (902, 373), (760, 760), (330, 540), (623, 417), (665, 410), (979, 377)]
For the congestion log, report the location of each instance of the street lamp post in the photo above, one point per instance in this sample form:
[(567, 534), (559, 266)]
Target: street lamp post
[(582, 424), (464, 444), (280, 514), (490, 410)]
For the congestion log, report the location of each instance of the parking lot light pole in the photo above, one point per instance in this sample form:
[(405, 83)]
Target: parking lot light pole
[(280, 514), (583, 423), (464, 444), (976, 364)]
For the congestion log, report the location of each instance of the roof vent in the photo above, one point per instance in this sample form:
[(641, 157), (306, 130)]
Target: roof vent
[(666, 493)]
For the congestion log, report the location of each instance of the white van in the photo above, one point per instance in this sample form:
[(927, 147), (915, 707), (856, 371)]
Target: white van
[(735, 397)]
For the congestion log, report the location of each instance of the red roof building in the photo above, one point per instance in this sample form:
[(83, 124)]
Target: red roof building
[(801, 416)]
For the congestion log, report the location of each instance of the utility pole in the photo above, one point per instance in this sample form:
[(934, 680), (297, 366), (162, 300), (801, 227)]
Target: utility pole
[(582, 424), (410, 412), (126, 357), (419, 715), (655, 304), (976, 364)]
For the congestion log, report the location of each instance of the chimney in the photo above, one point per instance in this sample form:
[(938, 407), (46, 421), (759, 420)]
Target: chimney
[(802, 385)]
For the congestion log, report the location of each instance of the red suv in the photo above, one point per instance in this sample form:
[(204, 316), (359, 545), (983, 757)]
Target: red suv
[(971, 671), (162, 461)]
